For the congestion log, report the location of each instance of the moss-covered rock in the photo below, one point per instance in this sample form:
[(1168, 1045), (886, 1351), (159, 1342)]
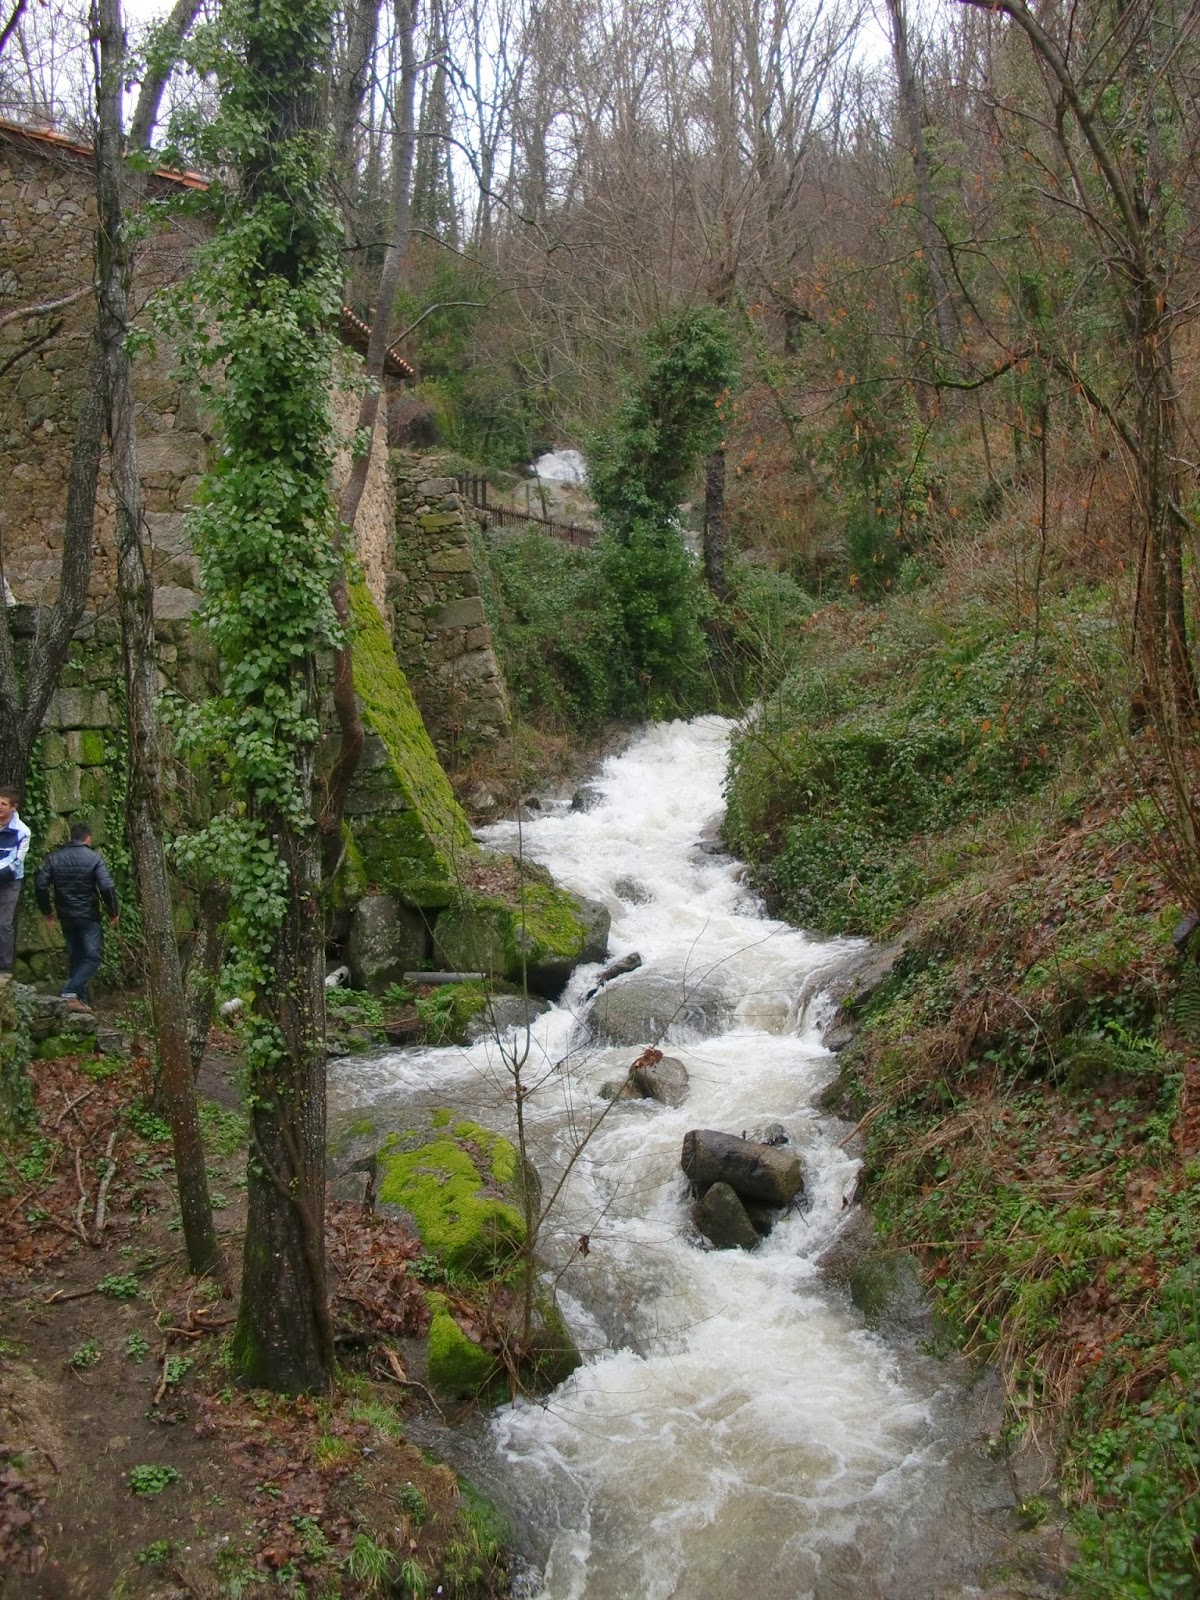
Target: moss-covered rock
[(461, 1185), (411, 834), (540, 938), (459, 1368)]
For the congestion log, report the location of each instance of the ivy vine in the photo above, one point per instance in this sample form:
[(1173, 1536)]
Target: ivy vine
[(262, 311)]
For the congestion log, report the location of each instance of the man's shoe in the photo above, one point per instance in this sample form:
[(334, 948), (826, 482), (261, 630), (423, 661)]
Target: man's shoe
[(74, 1003)]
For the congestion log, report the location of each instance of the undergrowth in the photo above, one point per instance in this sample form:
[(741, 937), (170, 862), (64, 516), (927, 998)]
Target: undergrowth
[(1025, 1079)]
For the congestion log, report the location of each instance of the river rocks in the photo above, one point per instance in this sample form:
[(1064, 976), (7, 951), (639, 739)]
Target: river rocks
[(721, 1218), (501, 1014), (756, 1171), (885, 1285), (615, 969), (774, 1134), (665, 1079), (541, 940), (644, 1008), (632, 892), (652, 1076)]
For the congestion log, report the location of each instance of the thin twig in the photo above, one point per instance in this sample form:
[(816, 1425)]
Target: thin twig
[(71, 1104), (79, 1209), (102, 1193)]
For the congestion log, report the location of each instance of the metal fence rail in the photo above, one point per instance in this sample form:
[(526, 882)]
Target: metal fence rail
[(475, 490)]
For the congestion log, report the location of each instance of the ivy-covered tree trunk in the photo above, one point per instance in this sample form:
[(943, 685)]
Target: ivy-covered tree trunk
[(271, 286), (137, 632)]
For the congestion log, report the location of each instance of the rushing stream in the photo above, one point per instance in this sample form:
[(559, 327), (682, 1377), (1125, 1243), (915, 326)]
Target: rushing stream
[(735, 1430)]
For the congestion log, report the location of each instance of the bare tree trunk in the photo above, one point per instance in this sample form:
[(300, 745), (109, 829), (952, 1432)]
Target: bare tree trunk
[(159, 66), (137, 630), (716, 526), (910, 110), (345, 702), (350, 92)]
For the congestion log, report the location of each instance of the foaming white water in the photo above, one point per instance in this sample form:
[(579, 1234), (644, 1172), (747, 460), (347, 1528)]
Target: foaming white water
[(734, 1429)]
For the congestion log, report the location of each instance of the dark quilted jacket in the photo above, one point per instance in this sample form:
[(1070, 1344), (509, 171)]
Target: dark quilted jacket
[(81, 882)]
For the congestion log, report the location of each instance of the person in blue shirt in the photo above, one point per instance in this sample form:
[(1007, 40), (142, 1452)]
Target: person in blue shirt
[(14, 846)]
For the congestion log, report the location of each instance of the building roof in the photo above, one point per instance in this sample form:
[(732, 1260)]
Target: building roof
[(352, 330)]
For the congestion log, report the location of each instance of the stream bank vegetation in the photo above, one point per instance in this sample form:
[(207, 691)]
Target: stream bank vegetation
[(943, 769)]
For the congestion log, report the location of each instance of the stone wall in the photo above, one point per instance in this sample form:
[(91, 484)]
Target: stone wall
[(78, 773), (47, 217), (441, 635)]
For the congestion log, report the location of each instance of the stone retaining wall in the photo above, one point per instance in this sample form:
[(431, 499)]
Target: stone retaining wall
[(441, 635)]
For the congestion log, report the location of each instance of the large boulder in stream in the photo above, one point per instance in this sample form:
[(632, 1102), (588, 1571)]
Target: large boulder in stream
[(754, 1171), (644, 1008), (722, 1219)]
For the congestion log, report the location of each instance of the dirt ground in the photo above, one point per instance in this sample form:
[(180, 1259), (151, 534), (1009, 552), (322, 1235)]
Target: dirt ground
[(130, 1462)]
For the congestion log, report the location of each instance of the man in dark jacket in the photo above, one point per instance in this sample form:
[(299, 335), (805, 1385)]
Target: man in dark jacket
[(82, 886)]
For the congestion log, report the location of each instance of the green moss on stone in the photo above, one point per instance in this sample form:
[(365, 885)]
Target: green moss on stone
[(416, 840), (442, 1117), (489, 934), (350, 882), (458, 1367), (446, 1194), (91, 748)]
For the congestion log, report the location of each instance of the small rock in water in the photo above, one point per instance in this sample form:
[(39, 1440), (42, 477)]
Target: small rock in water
[(586, 798), (626, 1088), (773, 1133), (665, 1080), (721, 1218), (632, 892)]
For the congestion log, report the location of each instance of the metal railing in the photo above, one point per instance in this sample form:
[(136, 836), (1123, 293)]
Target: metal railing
[(475, 491)]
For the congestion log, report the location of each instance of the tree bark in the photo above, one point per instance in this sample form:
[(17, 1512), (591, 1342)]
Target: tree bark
[(283, 1339), (284, 1336), (716, 525), (144, 805)]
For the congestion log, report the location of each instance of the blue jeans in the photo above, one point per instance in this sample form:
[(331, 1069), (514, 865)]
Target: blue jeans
[(9, 895), (85, 949)]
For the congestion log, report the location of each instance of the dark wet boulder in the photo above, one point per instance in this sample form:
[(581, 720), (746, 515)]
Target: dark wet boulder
[(721, 1218), (755, 1171)]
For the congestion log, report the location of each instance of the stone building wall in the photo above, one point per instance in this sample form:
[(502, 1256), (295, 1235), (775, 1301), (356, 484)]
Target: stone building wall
[(79, 771), (441, 635), (47, 218)]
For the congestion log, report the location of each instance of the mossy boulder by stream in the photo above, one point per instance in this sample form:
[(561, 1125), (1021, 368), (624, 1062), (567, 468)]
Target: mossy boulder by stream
[(408, 874), (539, 937), (461, 1185)]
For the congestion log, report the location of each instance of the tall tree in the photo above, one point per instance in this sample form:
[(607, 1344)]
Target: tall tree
[(266, 537), (144, 808)]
